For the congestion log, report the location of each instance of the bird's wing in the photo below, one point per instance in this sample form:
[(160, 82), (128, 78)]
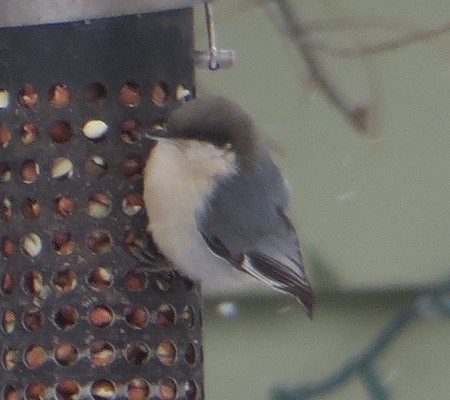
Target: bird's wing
[(246, 224)]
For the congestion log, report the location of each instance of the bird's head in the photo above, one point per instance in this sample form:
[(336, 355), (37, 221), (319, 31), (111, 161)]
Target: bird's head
[(217, 121)]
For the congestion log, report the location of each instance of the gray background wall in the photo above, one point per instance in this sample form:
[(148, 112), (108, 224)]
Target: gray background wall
[(372, 212)]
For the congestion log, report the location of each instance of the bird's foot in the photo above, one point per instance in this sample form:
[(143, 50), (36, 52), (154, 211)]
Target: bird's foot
[(145, 252)]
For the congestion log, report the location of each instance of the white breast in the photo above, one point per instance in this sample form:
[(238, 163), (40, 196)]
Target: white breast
[(178, 178)]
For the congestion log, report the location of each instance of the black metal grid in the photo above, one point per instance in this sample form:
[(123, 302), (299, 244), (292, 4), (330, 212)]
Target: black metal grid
[(141, 50)]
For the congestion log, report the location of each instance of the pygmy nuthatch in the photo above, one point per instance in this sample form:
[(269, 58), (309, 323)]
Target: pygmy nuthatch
[(216, 202)]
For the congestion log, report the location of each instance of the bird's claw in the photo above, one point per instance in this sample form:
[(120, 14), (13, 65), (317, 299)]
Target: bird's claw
[(153, 260)]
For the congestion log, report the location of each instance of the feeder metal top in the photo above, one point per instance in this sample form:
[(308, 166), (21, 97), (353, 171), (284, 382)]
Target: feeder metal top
[(37, 12)]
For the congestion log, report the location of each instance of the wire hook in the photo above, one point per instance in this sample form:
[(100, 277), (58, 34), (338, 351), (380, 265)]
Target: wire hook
[(213, 58)]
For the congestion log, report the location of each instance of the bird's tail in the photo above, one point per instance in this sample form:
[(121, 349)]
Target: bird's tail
[(282, 274)]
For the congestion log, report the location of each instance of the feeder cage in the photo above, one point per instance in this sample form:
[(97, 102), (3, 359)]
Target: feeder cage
[(79, 317)]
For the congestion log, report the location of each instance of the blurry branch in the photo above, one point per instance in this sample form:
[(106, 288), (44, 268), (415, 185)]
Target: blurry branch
[(346, 23), (364, 364), (299, 33), (389, 45), (295, 28)]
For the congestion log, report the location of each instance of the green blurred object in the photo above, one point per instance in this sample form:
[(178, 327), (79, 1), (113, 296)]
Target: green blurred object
[(365, 364)]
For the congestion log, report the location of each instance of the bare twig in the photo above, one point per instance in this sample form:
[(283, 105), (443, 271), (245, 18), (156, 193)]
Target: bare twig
[(360, 23), (374, 88), (384, 46), (357, 115)]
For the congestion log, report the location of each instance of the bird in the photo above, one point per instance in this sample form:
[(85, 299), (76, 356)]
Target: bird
[(216, 202)]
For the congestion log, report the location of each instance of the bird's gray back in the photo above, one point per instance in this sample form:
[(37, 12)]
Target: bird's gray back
[(246, 207)]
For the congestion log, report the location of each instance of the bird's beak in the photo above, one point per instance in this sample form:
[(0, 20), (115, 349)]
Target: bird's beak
[(156, 132)]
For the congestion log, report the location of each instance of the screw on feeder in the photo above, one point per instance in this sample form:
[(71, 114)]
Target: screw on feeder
[(213, 58)]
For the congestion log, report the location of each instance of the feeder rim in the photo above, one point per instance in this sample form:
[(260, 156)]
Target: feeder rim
[(40, 12)]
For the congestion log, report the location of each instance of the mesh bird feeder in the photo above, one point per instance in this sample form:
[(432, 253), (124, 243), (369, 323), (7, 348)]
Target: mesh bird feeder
[(79, 317)]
